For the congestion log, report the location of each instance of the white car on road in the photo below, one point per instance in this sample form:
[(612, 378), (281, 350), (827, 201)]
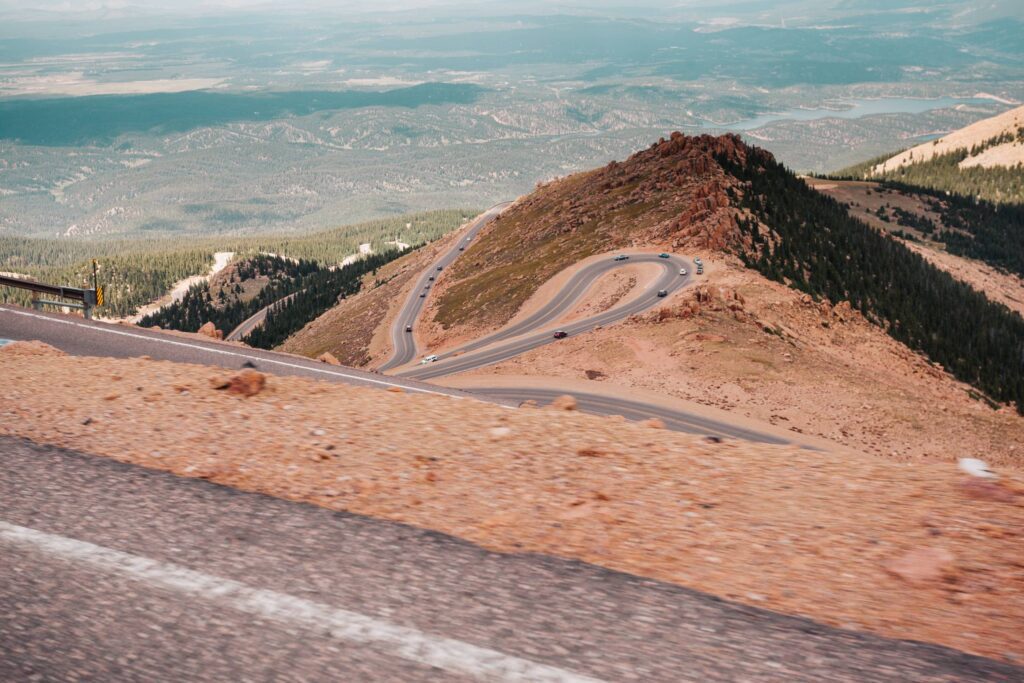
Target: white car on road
[(429, 359)]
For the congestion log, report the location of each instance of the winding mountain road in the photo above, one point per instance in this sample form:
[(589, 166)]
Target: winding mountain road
[(404, 343), (525, 336)]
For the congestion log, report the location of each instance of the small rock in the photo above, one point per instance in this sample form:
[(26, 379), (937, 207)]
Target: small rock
[(220, 382), (588, 452), (976, 468), (328, 357), (923, 565), (87, 421), (500, 432), (653, 423), (317, 432), (565, 402), (396, 390), (247, 383), (594, 374)]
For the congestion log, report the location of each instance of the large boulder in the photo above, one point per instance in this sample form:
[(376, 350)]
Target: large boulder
[(210, 330)]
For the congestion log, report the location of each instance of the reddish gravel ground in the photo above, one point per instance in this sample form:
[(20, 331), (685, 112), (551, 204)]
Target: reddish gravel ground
[(907, 550)]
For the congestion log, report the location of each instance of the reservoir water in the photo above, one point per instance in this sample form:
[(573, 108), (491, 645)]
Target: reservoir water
[(848, 109)]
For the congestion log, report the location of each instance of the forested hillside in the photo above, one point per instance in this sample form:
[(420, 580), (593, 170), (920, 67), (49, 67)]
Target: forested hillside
[(800, 237), (135, 272), (993, 233), (201, 305), (313, 289)]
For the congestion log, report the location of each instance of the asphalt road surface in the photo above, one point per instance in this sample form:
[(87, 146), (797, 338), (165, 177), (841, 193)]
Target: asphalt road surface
[(633, 410), (404, 343), (112, 572), (79, 337), (253, 321), (523, 335)]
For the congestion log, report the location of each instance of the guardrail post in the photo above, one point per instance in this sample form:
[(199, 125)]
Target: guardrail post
[(36, 303)]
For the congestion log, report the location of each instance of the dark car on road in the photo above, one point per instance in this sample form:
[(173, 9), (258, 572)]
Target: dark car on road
[(621, 257), (561, 334), (662, 292), (408, 328), (663, 255)]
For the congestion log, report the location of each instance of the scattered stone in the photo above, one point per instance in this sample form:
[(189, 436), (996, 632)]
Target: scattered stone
[(565, 402), (653, 423), (396, 390), (713, 439), (528, 403), (317, 432), (328, 357), (246, 383), (923, 565), (588, 452), (500, 432), (594, 374), (87, 421), (249, 364)]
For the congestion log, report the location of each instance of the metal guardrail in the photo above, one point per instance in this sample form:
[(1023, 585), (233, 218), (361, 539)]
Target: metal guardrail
[(88, 298)]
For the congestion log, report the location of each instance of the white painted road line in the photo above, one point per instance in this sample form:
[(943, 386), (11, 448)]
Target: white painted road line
[(224, 352), (401, 641)]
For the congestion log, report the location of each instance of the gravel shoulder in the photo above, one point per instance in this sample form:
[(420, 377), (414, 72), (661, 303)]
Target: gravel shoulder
[(912, 551)]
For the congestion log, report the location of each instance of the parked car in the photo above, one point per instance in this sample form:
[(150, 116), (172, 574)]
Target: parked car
[(700, 269), (662, 292), (429, 359), (561, 334), (682, 271), (621, 257), (663, 255)]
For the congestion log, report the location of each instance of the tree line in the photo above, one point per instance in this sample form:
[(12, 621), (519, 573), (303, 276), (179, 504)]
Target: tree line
[(135, 271)]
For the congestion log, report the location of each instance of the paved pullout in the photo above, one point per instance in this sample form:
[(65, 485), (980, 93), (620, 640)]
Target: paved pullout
[(115, 572), (404, 343)]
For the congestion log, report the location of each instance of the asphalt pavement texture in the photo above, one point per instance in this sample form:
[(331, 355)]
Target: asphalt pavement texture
[(112, 572)]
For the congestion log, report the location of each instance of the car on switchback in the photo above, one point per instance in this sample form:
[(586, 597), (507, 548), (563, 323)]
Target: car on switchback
[(408, 328), (429, 359), (561, 334), (621, 257), (662, 293), (663, 255), (682, 271)]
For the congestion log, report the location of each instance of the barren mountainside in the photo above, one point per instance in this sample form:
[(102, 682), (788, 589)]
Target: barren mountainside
[(673, 195)]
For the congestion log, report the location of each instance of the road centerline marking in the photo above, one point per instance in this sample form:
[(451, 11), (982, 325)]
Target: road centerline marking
[(353, 627)]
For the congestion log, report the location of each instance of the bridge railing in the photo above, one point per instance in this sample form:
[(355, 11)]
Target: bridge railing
[(82, 299)]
